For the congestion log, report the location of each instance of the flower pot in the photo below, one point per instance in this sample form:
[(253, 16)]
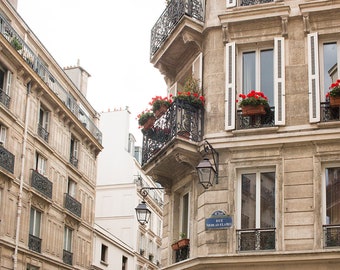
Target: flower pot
[(183, 242), (184, 134), (149, 123), (334, 101), (161, 111), (249, 110), (175, 246)]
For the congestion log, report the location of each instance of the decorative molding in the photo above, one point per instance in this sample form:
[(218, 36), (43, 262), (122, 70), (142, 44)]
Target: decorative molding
[(284, 25), (306, 24)]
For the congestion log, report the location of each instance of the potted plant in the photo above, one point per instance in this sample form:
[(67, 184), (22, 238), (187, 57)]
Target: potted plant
[(160, 105), (183, 242), (175, 246), (16, 44), (146, 119), (253, 103), (334, 94), (191, 93)]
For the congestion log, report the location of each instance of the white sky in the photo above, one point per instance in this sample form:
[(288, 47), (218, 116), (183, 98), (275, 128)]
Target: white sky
[(111, 38)]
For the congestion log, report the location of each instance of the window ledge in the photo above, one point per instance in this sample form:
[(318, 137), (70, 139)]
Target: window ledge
[(330, 124), (252, 131), (104, 263)]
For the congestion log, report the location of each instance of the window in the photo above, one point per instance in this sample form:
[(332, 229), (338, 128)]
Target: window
[(40, 164), (35, 221), (332, 207), (3, 131), (71, 188), (68, 239), (330, 66), (31, 267), (43, 123), (103, 254), (260, 68), (5, 86), (185, 215), (256, 216), (74, 147), (124, 263)]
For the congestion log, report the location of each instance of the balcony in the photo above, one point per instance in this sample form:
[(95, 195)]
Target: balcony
[(34, 243), (4, 98), (172, 142), (328, 113), (41, 184), (255, 121), (43, 133), (37, 65), (256, 239), (67, 257), (6, 159), (72, 205), (252, 2), (177, 35), (331, 235)]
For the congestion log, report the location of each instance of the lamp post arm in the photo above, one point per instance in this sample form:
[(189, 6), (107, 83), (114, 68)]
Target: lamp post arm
[(216, 156), (144, 191)]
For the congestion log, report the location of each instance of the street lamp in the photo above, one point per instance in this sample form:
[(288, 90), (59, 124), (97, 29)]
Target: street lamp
[(206, 171), (142, 212)]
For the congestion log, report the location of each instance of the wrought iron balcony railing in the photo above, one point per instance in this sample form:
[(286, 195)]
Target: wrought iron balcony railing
[(256, 121), (67, 257), (39, 67), (328, 113), (182, 253), (181, 119), (34, 243), (170, 17), (72, 205), (43, 133), (41, 184), (6, 159), (331, 235), (256, 239), (4, 98), (252, 2)]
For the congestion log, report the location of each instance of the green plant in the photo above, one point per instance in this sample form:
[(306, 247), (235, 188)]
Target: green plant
[(253, 98), (158, 101), (191, 93), (182, 235), (16, 44), (144, 116), (334, 89)]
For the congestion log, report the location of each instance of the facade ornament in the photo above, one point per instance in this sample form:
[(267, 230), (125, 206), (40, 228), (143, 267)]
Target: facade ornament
[(306, 24), (225, 31), (284, 25)]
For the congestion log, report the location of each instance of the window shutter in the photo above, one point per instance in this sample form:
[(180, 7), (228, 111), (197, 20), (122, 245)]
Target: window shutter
[(197, 69), (313, 78), (279, 81), (2, 134), (172, 90), (231, 3), (230, 86), (8, 83), (46, 118)]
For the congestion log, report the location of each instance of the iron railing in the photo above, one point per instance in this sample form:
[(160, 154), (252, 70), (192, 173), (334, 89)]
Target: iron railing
[(256, 239), (34, 243), (72, 205), (329, 113), (170, 17), (253, 2), (41, 184), (6, 159), (36, 63), (67, 257), (182, 254), (43, 133), (256, 121), (181, 119), (4, 98), (331, 235)]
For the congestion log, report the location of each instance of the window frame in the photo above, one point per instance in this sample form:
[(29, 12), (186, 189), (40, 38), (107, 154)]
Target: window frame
[(35, 220), (40, 164), (3, 134), (68, 238)]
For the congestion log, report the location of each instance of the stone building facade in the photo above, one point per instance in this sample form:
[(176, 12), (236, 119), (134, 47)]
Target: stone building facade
[(49, 146), (277, 197)]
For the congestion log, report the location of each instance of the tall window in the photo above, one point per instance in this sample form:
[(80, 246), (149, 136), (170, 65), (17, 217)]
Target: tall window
[(74, 147), (71, 188), (103, 254), (5, 81), (43, 123), (3, 131), (258, 72), (256, 217), (124, 263), (35, 221), (40, 164), (332, 184), (68, 239), (185, 215)]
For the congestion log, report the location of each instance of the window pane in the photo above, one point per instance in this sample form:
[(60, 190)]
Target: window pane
[(248, 72), (248, 205), (185, 213), (267, 200), (332, 196), (330, 69), (267, 75)]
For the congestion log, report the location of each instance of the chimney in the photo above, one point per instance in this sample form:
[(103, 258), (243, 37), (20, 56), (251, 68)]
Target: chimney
[(79, 77)]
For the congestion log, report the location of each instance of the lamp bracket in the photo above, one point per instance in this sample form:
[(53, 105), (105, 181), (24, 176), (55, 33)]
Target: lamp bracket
[(145, 190), (208, 148)]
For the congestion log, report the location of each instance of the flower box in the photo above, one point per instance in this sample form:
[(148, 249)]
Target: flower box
[(334, 101), (162, 109), (183, 242), (175, 246), (250, 110), (149, 123)]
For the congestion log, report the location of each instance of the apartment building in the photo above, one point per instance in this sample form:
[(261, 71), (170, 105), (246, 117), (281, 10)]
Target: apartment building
[(48, 153), (274, 202)]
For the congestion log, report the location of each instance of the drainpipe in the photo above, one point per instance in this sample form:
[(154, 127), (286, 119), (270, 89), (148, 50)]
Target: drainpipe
[(19, 209)]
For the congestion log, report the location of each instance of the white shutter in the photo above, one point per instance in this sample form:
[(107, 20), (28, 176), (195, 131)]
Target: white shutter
[(197, 69), (75, 148), (41, 165), (231, 3), (8, 83), (2, 134), (279, 81), (230, 86), (45, 120), (313, 78), (172, 90)]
